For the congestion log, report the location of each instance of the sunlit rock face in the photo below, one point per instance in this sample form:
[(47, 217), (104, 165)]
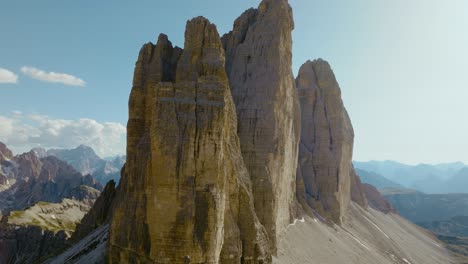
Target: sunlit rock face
[(325, 177), (259, 58), (185, 194)]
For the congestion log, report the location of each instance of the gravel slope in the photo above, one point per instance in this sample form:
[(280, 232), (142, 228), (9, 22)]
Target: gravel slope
[(367, 237)]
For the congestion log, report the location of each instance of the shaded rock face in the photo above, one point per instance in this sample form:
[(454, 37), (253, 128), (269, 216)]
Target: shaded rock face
[(99, 214), (325, 176), (258, 63), (28, 244), (56, 181), (376, 200), (358, 194), (5, 153), (185, 194), (29, 166)]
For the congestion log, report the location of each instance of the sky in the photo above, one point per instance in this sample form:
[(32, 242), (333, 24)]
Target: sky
[(66, 69)]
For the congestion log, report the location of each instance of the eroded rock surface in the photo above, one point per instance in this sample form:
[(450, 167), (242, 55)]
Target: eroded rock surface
[(259, 58), (5, 152), (358, 194), (325, 176), (29, 244), (376, 200), (100, 213), (185, 194)]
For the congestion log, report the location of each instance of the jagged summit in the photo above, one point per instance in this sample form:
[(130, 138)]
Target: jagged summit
[(184, 167)]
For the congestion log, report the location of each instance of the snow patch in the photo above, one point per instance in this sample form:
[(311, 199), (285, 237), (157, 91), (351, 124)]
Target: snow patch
[(406, 261), (357, 240), (378, 228), (295, 221)]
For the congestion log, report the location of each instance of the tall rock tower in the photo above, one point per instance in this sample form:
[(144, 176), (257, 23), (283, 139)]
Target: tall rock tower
[(259, 59), (326, 181), (185, 195)]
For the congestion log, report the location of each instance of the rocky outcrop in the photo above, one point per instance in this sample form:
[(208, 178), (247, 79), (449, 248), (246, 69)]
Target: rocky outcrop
[(376, 200), (325, 176), (30, 244), (99, 215), (5, 153), (358, 194), (56, 181), (30, 180), (185, 194), (28, 166), (258, 63)]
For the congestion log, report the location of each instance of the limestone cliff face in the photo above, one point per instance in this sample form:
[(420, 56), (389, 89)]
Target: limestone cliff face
[(325, 176), (99, 214), (258, 64), (358, 194), (185, 194), (377, 201), (29, 244)]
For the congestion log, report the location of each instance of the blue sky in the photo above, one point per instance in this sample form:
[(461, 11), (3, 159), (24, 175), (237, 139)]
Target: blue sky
[(401, 66)]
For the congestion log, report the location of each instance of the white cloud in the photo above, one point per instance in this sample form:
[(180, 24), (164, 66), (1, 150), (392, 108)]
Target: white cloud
[(24, 132), (52, 77), (7, 76)]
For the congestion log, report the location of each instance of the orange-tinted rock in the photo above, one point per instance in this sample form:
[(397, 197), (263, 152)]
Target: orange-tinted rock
[(185, 194)]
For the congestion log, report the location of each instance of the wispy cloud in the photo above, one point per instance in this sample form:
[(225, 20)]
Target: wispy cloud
[(23, 132), (7, 76), (52, 77)]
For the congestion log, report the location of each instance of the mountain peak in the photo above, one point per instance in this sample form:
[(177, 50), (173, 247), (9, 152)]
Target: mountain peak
[(5, 152)]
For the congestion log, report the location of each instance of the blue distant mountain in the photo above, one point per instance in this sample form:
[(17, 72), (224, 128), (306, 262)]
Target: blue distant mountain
[(427, 178), (377, 180)]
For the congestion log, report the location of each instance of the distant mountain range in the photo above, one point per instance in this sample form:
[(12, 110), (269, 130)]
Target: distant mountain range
[(435, 179), (442, 210), (29, 178), (86, 161), (420, 207), (376, 180)]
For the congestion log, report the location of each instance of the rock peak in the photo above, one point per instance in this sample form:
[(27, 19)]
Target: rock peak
[(5, 152), (185, 194), (258, 63), (326, 177)]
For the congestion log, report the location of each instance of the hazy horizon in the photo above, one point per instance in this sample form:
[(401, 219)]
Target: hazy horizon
[(66, 70)]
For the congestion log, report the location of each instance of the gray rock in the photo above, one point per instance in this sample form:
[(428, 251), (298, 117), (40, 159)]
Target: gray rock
[(258, 63), (325, 173)]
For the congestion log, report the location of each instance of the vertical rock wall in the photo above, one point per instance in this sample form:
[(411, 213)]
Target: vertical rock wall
[(259, 58), (185, 196), (325, 175)]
